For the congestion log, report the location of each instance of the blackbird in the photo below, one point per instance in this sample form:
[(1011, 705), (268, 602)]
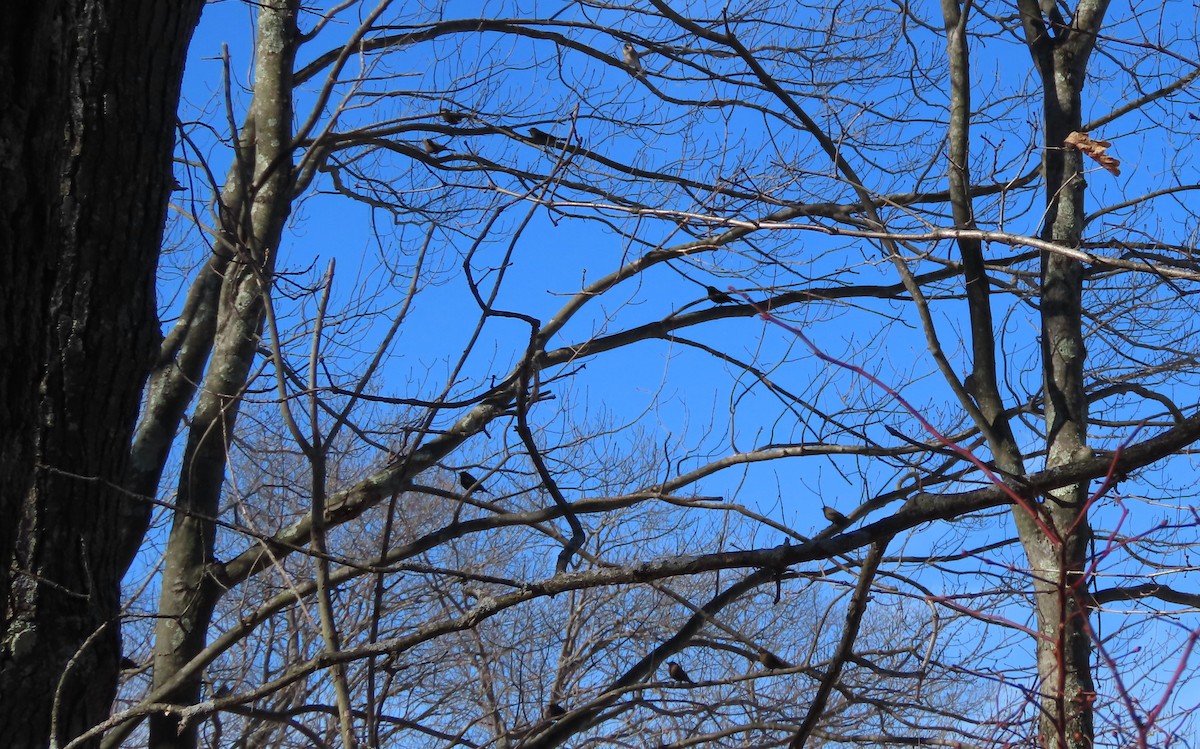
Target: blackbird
[(971, 386), (542, 138), (469, 482), (677, 673), (716, 296), (834, 516), (554, 710)]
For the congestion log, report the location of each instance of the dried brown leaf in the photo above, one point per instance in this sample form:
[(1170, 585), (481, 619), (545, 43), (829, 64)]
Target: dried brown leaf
[(1095, 149)]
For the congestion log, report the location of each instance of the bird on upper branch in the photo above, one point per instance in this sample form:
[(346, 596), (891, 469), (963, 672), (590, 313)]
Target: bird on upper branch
[(771, 661), (543, 138), (632, 60), (469, 482), (716, 296), (971, 385), (451, 118), (678, 674), (834, 516)]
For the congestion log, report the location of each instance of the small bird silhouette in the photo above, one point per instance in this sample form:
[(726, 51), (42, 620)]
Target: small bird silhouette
[(971, 385), (469, 482), (554, 710), (677, 673), (431, 147), (771, 661), (542, 138), (451, 118), (716, 296), (834, 516), (632, 60)]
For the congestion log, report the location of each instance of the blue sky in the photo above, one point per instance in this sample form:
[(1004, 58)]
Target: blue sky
[(671, 391)]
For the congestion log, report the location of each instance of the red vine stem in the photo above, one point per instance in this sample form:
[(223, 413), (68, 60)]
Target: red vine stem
[(1025, 504)]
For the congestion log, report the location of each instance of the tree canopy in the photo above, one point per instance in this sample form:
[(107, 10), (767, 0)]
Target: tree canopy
[(761, 374)]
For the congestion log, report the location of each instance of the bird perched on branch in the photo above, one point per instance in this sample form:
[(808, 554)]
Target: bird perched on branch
[(432, 147), (971, 385), (716, 296), (470, 483), (771, 661), (555, 710), (632, 60), (542, 138), (678, 674), (834, 516), (451, 118)]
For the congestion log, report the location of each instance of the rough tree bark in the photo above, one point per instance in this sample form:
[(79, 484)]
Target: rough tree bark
[(1057, 558), (86, 135), (252, 218)]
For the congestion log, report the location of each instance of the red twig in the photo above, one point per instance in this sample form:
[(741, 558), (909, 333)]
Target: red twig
[(1030, 508)]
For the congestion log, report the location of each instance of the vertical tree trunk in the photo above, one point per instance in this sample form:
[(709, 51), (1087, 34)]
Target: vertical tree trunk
[(255, 224), (1057, 564), (86, 134)]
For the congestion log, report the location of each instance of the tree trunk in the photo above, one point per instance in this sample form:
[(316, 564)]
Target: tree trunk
[(86, 135), (253, 223), (1058, 558)]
